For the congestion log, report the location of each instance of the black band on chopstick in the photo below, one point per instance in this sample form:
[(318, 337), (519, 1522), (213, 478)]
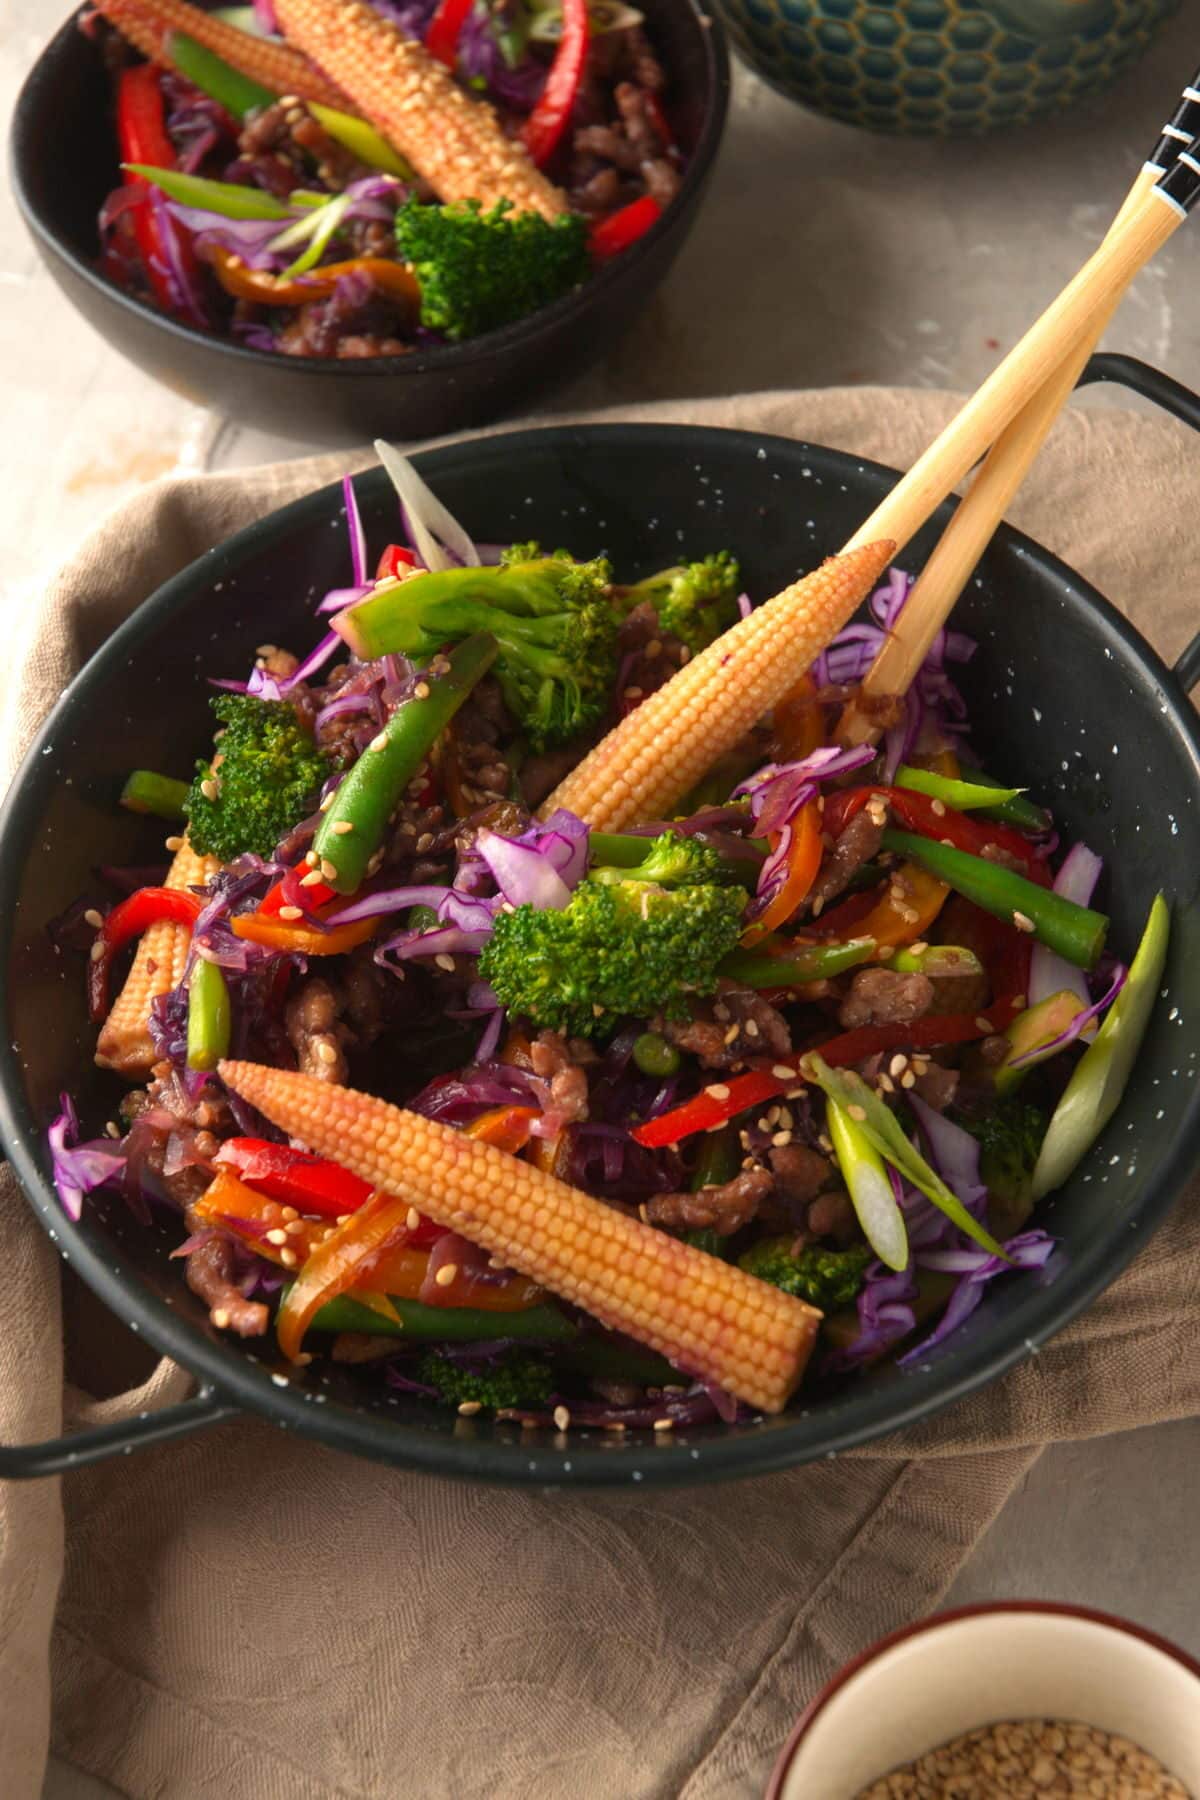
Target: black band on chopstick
[(1181, 183), (1181, 129)]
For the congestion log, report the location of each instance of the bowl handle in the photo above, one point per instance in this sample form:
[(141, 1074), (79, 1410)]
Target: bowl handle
[(1182, 404), (23, 1462)]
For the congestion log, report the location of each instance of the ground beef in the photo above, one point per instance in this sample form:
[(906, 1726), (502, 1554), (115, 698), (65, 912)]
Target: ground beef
[(562, 1064), (649, 656), (722, 1032), (723, 1209), (856, 845), (476, 771), (800, 1174), (831, 1215), (415, 831), (355, 321), (599, 193), (885, 997), (210, 1275), (618, 149), (315, 1032)]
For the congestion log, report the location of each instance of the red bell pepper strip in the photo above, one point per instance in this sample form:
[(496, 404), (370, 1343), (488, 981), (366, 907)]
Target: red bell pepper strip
[(295, 1177), (724, 1100), (920, 813), (289, 892), (128, 920), (548, 120), (142, 136), (395, 558), (652, 106), (621, 229), (441, 39)]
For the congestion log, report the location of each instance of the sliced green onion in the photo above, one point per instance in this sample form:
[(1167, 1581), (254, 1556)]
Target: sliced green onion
[(938, 961), (962, 795), (236, 92), (1033, 1035), (159, 795), (653, 1054), (208, 1022), (869, 1186), (362, 140), (318, 228), (877, 1121), (224, 197), (603, 15), (1094, 1091)]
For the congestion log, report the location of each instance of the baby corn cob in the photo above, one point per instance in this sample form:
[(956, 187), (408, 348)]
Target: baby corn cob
[(274, 66), (454, 141), (708, 1317), (124, 1043), (666, 744)]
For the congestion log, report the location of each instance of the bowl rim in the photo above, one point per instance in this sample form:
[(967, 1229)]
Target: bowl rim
[(435, 358), (953, 1616), (248, 1383)]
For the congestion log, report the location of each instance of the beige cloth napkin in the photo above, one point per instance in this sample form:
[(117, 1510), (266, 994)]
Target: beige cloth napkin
[(246, 1614)]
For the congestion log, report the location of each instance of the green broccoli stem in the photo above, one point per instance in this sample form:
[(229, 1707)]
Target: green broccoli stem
[(758, 968), (208, 1021), (158, 795), (214, 77), (352, 829), (625, 850), (1074, 932), (445, 1324)]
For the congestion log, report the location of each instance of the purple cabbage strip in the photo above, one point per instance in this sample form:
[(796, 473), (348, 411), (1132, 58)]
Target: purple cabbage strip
[(777, 792), (1050, 973), (954, 1153), (885, 1315), (1030, 1250), (1078, 1025), (79, 1168)]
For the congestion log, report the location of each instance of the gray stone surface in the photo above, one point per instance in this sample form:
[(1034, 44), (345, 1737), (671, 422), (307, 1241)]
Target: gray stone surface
[(822, 256)]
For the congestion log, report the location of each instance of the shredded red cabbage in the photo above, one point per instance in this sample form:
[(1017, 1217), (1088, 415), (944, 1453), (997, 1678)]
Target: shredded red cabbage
[(1030, 1250), (79, 1168)]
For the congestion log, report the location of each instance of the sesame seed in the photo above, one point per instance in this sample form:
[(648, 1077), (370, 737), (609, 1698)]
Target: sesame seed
[(289, 1213), (898, 1064), (174, 843), (342, 827), (752, 1028), (818, 906), (772, 1116), (424, 842), (378, 742), (312, 859), (886, 1084), (1018, 1002), (291, 912), (288, 1258), (633, 693), (938, 807), (325, 1052), (97, 951), (717, 1091), (414, 1218), (496, 1262), (447, 1275), (1023, 922), (342, 1219), (220, 1318), (615, 1425), (730, 1035), (444, 962), (856, 1112), (209, 788), (312, 879), (468, 1408), (113, 1129), (562, 1417), (328, 801), (982, 1024), (421, 690), (266, 650), (278, 1236), (328, 869), (664, 1424), (908, 1079), (781, 1072), (295, 1227), (918, 949), (781, 1138)]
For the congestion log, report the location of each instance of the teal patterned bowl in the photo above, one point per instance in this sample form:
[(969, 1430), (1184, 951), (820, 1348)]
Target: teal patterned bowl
[(936, 67)]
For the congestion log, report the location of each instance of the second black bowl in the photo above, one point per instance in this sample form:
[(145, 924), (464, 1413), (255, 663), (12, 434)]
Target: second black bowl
[(64, 162)]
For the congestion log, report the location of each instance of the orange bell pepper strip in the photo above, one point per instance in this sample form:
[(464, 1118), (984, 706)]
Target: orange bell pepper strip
[(507, 1127), (233, 1206), (910, 902), (394, 279), (279, 934), (804, 859)]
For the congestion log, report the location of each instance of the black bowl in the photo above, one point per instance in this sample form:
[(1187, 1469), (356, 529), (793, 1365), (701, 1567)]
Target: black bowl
[(64, 162), (141, 702)]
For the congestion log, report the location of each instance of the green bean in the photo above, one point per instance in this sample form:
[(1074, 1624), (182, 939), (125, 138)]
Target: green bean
[(208, 1020), (159, 795), (445, 1324)]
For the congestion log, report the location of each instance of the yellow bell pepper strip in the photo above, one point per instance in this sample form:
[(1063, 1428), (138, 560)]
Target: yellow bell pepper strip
[(1075, 932), (803, 860), (903, 914), (258, 1221), (1095, 1089), (352, 829), (244, 283), (339, 1261), (208, 1021), (274, 933)]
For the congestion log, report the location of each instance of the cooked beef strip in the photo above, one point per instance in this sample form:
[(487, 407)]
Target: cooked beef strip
[(209, 1272), (723, 1209), (609, 143), (312, 1019), (937, 1086), (736, 1025), (561, 1063), (661, 179), (885, 997), (598, 193), (800, 1174), (541, 774), (856, 845), (832, 1216)]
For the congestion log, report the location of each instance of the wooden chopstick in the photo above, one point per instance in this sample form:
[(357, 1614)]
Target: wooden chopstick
[(955, 556)]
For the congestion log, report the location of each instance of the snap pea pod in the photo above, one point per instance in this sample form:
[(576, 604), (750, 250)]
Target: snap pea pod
[(158, 795), (445, 1324), (236, 92), (806, 962), (1020, 811), (208, 1020), (352, 830), (1075, 932)]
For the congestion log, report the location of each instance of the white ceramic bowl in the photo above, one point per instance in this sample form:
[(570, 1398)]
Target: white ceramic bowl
[(933, 1681)]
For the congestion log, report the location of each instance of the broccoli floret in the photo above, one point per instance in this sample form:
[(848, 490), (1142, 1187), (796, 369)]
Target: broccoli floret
[(625, 947), (551, 617), (1010, 1135), (827, 1279), (675, 861), (514, 1379), (480, 270), (696, 601), (268, 775)]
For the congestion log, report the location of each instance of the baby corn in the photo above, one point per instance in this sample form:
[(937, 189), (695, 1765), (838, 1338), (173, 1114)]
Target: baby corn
[(285, 71), (666, 744), (454, 141), (708, 1317), (124, 1043)]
